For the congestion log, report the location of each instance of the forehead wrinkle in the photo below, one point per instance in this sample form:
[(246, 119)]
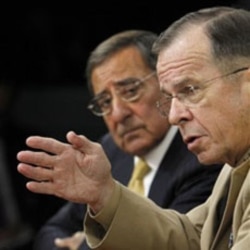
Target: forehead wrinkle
[(183, 69)]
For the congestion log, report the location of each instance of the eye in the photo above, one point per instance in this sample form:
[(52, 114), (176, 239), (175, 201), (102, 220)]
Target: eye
[(167, 97), (104, 102), (191, 94), (130, 90), (189, 90)]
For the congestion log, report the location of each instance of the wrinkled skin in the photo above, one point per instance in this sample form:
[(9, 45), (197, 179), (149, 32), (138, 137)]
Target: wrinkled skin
[(136, 127), (77, 171), (226, 103)]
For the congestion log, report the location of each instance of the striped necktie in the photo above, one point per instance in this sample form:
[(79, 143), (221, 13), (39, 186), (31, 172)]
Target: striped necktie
[(136, 182)]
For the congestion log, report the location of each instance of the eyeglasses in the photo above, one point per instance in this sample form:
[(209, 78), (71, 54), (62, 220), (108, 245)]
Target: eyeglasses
[(129, 90), (189, 94)]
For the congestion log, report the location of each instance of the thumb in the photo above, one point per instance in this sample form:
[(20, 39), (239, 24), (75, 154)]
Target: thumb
[(79, 142), (59, 242)]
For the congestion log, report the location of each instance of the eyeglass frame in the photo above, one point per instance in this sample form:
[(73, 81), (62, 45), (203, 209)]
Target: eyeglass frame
[(137, 83), (190, 89)]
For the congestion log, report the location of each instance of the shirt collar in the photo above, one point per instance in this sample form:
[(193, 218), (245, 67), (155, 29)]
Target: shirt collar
[(155, 156)]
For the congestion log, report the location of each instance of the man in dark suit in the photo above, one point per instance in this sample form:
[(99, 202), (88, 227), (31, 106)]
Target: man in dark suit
[(121, 76)]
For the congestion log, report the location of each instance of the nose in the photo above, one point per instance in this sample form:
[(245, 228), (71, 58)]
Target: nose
[(120, 109), (178, 112)]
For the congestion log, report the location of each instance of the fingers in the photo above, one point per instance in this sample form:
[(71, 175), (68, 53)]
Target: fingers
[(79, 142), (47, 144), (72, 242), (42, 177), (71, 171), (36, 158), (40, 187), (73, 138), (35, 173)]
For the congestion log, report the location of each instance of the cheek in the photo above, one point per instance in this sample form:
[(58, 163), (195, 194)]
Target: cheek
[(213, 123), (154, 122), (110, 125), (112, 128)]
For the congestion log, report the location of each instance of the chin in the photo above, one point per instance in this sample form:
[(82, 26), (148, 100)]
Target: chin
[(136, 145), (134, 151), (207, 159)]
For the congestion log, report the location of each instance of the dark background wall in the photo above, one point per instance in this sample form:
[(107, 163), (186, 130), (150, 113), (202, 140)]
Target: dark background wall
[(50, 45), (42, 59)]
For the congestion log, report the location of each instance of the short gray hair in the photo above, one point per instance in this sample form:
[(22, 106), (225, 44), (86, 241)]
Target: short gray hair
[(141, 39)]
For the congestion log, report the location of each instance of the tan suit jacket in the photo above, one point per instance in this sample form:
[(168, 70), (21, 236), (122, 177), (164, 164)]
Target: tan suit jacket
[(130, 222)]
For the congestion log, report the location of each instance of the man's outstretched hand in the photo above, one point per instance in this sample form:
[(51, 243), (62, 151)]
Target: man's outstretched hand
[(78, 171)]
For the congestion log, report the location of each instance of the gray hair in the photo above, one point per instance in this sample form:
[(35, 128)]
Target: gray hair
[(141, 39), (227, 28)]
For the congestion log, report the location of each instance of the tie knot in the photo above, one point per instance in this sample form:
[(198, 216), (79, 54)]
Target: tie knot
[(141, 169)]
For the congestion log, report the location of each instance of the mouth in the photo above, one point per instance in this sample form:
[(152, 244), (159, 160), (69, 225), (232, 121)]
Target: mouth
[(192, 142), (189, 139), (129, 131)]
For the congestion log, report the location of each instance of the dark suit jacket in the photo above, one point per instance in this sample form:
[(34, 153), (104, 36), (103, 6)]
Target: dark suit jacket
[(181, 183)]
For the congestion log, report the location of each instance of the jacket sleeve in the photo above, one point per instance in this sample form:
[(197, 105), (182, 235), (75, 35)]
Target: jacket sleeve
[(162, 228)]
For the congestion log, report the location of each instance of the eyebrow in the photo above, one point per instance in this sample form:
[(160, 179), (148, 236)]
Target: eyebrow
[(126, 81), (100, 94), (179, 84), (116, 84)]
